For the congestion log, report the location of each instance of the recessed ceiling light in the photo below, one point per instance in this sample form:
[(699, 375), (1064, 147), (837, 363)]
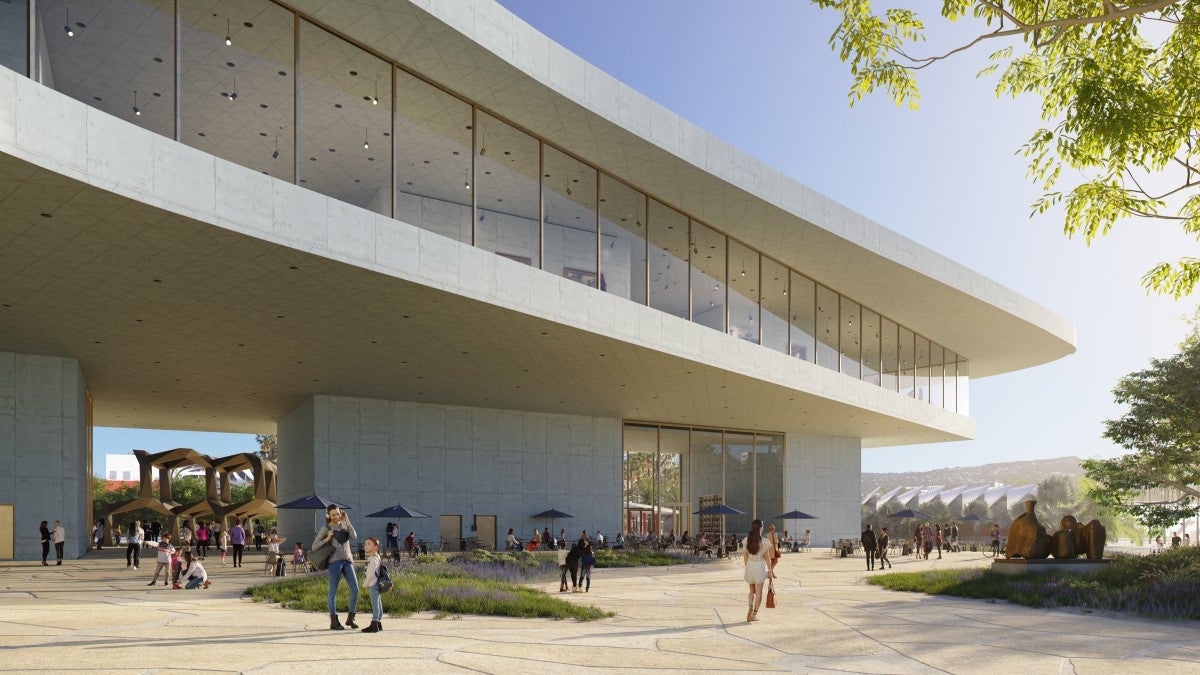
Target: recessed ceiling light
[(47, 215)]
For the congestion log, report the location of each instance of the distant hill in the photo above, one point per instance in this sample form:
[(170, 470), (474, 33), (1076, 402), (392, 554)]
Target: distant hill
[(1010, 473)]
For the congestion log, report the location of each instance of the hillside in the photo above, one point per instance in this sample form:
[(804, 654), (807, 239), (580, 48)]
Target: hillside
[(1011, 473)]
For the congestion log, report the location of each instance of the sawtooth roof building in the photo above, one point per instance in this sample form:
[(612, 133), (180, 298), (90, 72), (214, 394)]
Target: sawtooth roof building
[(453, 265)]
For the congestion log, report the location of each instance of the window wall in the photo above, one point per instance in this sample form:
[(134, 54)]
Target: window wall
[(258, 84), (14, 35), (669, 470), (708, 276), (569, 233)]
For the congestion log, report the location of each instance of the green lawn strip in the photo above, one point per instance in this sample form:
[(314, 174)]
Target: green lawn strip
[(417, 592), (1163, 586), (609, 558)]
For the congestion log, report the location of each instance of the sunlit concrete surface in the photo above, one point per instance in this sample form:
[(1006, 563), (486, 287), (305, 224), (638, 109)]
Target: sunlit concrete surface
[(93, 615)]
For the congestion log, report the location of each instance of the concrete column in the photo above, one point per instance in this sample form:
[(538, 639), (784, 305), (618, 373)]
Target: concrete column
[(44, 468), (823, 478)]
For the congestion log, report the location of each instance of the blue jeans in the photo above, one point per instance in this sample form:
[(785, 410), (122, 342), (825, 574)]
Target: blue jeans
[(337, 569), (194, 582), (586, 575), (376, 603)]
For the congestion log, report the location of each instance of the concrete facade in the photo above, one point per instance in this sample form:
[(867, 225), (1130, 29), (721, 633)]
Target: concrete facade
[(44, 439), (450, 460)]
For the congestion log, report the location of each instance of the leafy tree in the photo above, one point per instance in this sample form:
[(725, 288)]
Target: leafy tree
[(1119, 84), (1056, 498), (268, 446), (1161, 429)]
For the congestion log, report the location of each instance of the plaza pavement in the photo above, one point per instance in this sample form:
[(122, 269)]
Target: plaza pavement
[(92, 615)]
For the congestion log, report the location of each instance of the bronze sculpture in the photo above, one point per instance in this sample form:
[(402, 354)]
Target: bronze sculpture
[(1027, 538)]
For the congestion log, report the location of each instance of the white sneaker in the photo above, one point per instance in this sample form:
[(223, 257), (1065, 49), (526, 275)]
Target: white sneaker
[(135, 567)]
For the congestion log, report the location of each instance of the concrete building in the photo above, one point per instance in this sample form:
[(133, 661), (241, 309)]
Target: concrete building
[(455, 266)]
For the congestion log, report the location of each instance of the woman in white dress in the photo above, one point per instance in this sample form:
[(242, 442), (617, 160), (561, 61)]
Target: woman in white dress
[(755, 557)]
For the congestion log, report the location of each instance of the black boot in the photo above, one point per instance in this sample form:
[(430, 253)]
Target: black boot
[(373, 628), (350, 620), (334, 624)]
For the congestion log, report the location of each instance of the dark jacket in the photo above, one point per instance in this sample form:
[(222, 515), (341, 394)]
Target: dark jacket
[(883, 542), (574, 555), (868, 540)]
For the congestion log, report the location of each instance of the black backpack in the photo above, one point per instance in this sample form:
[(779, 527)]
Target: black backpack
[(383, 579)]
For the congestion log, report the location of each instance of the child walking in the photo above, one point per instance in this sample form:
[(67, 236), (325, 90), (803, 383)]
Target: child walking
[(223, 543), (371, 548), (562, 565)]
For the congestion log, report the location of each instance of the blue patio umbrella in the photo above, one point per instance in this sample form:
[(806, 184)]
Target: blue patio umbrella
[(720, 510), (313, 501), (398, 511), (794, 515), (552, 514), (910, 513)]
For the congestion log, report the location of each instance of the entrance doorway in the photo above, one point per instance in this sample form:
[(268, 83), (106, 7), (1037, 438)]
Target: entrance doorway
[(485, 532), (451, 532), (6, 531)]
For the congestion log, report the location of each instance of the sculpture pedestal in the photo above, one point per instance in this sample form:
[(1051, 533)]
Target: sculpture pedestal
[(1023, 566)]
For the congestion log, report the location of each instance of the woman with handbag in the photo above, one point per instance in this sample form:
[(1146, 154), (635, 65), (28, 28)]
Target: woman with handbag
[(755, 558), (337, 534), (775, 555)]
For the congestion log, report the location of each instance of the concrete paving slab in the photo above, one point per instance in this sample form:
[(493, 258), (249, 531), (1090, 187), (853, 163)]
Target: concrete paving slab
[(95, 615)]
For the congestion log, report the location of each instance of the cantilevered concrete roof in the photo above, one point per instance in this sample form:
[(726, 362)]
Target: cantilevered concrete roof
[(482, 51)]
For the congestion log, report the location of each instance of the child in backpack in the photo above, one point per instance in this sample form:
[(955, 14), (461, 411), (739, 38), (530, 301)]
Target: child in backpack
[(371, 581)]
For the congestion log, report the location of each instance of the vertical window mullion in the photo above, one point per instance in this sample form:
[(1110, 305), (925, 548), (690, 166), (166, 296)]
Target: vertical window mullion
[(474, 181), (178, 79), (296, 98), (395, 113)]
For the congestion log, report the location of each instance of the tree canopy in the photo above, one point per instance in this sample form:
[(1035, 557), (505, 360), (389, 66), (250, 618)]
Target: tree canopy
[(1161, 429), (1119, 84)]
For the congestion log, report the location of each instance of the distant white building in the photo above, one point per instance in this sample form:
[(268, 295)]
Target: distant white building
[(120, 467)]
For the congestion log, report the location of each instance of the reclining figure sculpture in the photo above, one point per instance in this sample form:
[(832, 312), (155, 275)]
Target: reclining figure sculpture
[(1027, 538)]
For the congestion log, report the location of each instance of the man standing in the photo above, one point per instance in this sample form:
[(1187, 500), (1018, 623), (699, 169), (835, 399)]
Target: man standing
[(60, 540), (133, 550), (259, 532), (868, 544), (393, 538)]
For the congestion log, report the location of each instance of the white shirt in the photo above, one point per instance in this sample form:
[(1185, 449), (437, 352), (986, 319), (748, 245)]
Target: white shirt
[(137, 536), (60, 535)]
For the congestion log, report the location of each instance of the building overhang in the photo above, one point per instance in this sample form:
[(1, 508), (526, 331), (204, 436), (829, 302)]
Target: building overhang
[(482, 51)]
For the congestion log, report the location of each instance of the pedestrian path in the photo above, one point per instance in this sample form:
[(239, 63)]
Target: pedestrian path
[(93, 615)]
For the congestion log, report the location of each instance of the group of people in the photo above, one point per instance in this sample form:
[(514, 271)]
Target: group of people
[(1176, 541), (541, 540), (337, 533), (578, 561), (56, 535), (178, 565), (928, 538)]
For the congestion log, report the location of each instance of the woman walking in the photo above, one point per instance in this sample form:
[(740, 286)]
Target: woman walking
[(755, 558), (237, 537), (338, 533), (883, 549), (45, 529), (775, 555)]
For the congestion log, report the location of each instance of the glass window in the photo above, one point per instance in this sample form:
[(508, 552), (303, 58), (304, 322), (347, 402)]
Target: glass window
[(255, 128), (668, 260), (345, 136), (907, 370), (433, 158), (672, 502), (14, 35), (872, 357), (117, 56), (739, 480), (569, 233), (851, 345), (743, 292), (708, 276), (922, 370), (774, 301), (707, 477), (641, 447), (506, 180), (951, 381), (768, 478), (936, 368), (804, 318), (828, 328), (890, 346), (622, 240), (964, 384)]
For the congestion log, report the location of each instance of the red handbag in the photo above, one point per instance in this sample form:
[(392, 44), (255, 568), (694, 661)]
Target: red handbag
[(771, 596)]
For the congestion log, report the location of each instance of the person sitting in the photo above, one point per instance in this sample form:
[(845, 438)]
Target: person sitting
[(686, 539), (410, 545), (619, 544)]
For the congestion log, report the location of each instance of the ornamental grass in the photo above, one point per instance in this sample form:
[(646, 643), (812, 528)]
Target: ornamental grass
[(1161, 586)]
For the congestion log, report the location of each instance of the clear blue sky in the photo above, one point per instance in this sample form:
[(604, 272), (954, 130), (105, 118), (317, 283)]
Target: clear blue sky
[(760, 74)]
